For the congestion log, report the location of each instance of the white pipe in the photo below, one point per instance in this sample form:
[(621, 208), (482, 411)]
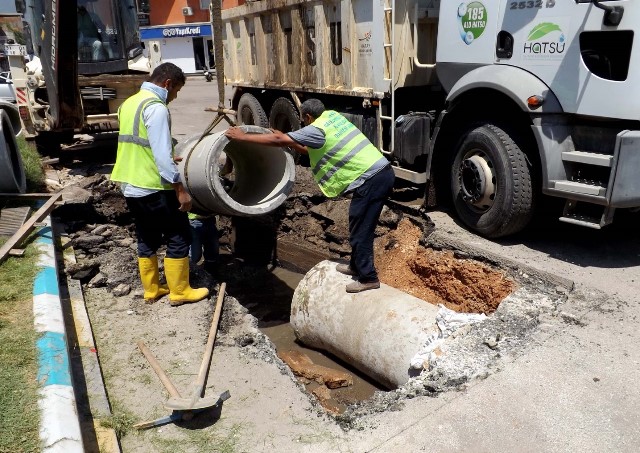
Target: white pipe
[(263, 175), (377, 331)]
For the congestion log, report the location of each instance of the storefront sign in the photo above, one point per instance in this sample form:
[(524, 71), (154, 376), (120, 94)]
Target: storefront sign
[(182, 31)]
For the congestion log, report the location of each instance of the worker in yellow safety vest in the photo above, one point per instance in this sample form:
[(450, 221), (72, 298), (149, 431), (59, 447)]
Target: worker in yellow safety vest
[(152, 188), (343, 161)]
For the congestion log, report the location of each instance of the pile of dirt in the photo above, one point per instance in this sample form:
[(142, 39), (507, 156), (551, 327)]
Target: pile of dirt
[(438, 276)]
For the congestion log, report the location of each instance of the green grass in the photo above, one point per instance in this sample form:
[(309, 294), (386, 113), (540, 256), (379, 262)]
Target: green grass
[(121, 420), (33, 171), (19, 415)]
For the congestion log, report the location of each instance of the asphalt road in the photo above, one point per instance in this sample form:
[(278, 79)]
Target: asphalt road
[(187, 111)]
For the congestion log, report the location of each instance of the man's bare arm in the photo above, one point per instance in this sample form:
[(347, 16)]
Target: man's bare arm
[(276, 139)]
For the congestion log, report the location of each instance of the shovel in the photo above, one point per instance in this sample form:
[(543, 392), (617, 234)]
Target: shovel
[(196, 400)]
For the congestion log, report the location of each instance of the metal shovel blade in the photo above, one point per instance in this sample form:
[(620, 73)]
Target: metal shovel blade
[(184, 404)]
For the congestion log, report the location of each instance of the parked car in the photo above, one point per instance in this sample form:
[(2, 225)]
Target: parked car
[(6, 88)]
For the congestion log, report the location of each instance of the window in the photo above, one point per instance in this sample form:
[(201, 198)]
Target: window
[(204, 4), (607, 54)]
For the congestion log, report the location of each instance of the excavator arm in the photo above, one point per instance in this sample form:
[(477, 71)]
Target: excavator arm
[(59, 57)]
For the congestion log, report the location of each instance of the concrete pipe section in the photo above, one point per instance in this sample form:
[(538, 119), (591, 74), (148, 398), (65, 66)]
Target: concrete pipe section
[(12, 177), (262, 179), (14, 116), (377, 331)]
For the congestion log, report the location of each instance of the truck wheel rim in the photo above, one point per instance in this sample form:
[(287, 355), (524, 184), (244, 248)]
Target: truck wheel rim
[(477, 180)]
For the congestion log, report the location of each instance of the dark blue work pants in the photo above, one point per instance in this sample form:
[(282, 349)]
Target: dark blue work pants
[(204, 237), (364, 211), (158, 220)]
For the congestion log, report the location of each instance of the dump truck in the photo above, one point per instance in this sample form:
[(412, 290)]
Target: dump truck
[(489, 105), (90, 60)]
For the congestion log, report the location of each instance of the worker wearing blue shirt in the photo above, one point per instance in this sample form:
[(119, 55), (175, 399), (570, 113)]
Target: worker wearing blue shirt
[(152, 188)]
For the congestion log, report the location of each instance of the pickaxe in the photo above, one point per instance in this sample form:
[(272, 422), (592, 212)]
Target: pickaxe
[(196, 400), (184, 408)]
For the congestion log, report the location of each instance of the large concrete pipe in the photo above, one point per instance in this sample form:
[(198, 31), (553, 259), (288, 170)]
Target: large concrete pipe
[(12, 177), (377, 331), (14, 116), (264, 175)]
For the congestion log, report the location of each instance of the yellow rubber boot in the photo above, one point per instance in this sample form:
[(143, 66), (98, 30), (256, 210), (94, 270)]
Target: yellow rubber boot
[(180, 292), (151, 278)]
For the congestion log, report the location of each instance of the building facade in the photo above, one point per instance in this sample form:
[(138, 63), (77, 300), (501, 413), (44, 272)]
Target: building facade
[(179, 31)]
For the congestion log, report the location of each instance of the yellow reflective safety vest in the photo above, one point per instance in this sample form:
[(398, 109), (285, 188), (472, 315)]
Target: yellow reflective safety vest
[(347, 153), (135, 164)]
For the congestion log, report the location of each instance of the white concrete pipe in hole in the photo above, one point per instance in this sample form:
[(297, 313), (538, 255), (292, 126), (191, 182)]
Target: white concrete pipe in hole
[(377, 331), (264, 175)]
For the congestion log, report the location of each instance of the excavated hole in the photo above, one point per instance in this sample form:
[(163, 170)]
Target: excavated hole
[(462, 285), (438, 277)]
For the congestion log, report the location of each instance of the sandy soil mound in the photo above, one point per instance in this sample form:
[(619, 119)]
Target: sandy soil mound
[(438, 276)]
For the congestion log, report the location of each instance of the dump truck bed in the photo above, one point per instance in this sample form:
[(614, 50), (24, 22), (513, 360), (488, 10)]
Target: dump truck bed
[(338, 48)]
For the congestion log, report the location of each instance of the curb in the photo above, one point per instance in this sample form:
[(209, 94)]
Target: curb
[(59, 422), (96, 393)]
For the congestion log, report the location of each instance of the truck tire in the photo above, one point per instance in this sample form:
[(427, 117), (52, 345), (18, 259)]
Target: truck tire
[(284, 117), (491, 182), (250, 112), (12, 177)]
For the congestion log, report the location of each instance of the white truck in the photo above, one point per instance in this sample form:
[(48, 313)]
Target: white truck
[(492, 103)]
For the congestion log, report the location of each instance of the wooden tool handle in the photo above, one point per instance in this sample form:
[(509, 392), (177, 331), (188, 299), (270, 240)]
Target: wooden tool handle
[(204, 366), (159, 371)]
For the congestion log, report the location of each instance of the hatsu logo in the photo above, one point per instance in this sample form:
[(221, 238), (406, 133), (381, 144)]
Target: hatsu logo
[(546, 41)]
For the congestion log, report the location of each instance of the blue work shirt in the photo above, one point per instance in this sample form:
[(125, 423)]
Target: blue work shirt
[(157, 120)]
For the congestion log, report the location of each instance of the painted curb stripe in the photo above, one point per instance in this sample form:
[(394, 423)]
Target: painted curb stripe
[(47, 313), (45, 235), (59, 421), (46, 282), (54, 360)]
